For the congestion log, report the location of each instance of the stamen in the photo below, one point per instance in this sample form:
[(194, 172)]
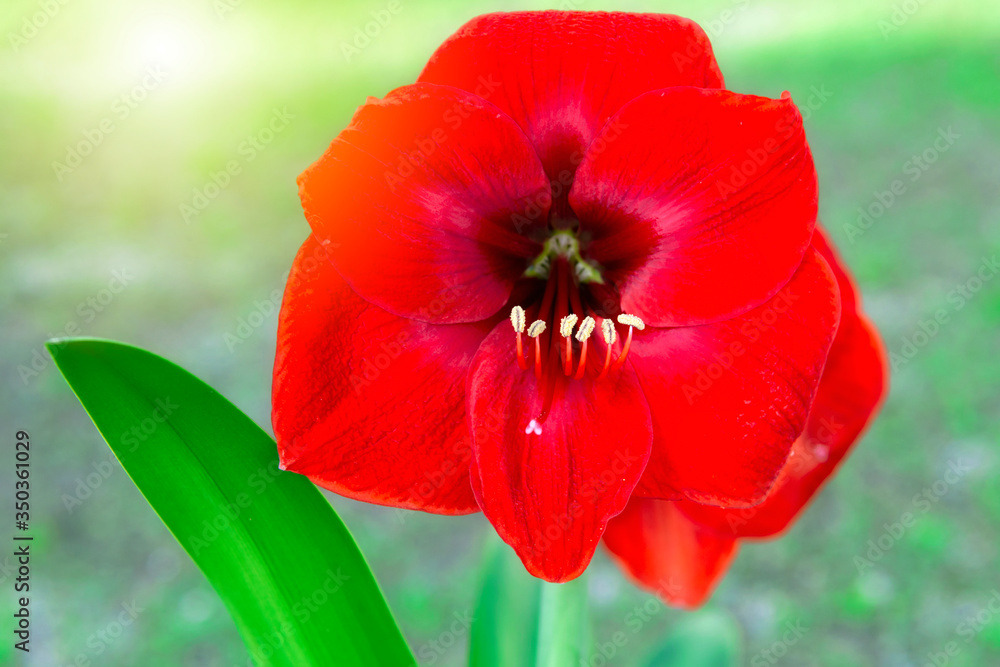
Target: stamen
[(582, 334), (535, 331), (560, 309), (533, 427), (517, 320), (610, 336), (633, 323), (566, 325)]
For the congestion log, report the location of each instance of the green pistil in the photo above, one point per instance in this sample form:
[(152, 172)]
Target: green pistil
[(563, 243)]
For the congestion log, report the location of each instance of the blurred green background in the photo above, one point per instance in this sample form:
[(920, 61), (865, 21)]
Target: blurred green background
[(166, 94)]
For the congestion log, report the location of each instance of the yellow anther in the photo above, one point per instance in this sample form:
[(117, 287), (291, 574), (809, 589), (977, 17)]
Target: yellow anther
[(517, 318), (631, 321), (566, 325), (609, 333)]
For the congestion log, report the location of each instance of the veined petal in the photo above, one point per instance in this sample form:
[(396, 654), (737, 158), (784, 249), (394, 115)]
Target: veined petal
[(703, 207), (667, 553), (368, 404), (850, 392), (425, 204), (550, 495), (562, 75), (729, 399)]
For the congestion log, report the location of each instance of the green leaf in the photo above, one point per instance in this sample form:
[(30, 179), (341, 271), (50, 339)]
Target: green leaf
[(702, 639), (522, 621), (285, 565)]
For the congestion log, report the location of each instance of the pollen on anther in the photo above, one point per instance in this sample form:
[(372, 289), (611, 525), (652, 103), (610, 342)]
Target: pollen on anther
[(536, 329), (566, 325), (586, 328), (631, 321), (608, 331), (517, 318)]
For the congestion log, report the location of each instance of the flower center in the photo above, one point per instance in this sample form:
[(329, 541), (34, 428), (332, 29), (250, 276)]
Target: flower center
[(562, 327), (563, 244)]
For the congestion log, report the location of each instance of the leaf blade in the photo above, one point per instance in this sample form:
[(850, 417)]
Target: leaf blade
[(287, 568)]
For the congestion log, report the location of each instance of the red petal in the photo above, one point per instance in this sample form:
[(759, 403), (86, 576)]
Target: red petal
[(562, 75), (848, 290), (667, 553), (550, 496), (422, 202), (703, 207), (729, 399), (850, 392), (368, 404)]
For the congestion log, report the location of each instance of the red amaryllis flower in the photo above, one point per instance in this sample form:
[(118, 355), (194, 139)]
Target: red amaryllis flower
[(564, 269)]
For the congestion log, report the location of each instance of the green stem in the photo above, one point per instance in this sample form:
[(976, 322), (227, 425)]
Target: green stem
[(562, 624)]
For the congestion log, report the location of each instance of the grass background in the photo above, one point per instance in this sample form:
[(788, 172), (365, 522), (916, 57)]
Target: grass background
[(230, 64)]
